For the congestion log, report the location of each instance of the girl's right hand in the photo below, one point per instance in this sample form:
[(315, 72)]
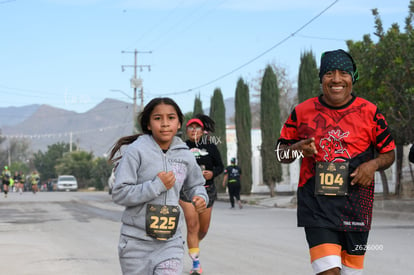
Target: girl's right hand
[(168, 178)]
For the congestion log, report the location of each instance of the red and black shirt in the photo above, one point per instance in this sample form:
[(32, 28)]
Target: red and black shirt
[(354, 133)]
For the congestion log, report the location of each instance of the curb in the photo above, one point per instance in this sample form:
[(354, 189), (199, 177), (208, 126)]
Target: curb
[(402, 209)]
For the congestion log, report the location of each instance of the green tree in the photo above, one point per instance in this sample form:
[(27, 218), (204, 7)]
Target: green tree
[(187, 117), (287, 95), (3, 153), (19, 150), (218, 114), (198, 106), (100, 173), (387, 79), (20, 167), (78, 164), (270, 127), (16, 150), (243, 120), (308, 79), (45, 162), (182, 132), (2, 138)]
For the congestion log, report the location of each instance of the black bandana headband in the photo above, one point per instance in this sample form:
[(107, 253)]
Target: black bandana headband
[(338, 60)]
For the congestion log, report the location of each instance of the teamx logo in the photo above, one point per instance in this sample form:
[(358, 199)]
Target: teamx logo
[(332, 146)]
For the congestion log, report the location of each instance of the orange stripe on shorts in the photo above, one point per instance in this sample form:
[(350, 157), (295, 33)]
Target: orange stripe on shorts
[(352, 261), (323, 250)]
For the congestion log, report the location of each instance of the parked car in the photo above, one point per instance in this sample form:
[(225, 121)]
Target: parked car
[(66, 183)]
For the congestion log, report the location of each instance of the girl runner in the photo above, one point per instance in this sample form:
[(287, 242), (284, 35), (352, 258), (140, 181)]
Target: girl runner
[(152, 170), (209, 160)]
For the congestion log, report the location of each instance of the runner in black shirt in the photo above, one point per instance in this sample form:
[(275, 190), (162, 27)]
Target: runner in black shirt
[(209, 160), (232, 176)]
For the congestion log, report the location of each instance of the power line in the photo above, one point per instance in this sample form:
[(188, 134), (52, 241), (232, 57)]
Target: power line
[(255, 58), (176, 27), (162, 20), (6, 1), (320, 38), (62, 134), (67, 97), (25, 90), (66, 115)]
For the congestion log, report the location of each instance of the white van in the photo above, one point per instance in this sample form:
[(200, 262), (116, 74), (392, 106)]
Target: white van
[(66, 183)]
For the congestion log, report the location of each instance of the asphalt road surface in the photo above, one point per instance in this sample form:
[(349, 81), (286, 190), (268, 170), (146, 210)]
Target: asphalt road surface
[(76, 233)]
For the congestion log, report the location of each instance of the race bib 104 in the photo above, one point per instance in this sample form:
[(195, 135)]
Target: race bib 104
[(331, 178)]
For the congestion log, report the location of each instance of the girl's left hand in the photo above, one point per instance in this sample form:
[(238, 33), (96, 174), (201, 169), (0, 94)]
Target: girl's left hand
[(208, 175), (199, 204)]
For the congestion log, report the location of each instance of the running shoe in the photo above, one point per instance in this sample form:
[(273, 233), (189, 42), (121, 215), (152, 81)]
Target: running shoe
[(196, 272)]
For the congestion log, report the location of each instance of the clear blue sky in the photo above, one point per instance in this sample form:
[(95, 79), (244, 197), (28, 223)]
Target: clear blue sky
[(68, 53)]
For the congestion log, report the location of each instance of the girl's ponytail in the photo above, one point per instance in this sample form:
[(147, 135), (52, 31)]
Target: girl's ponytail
[(209, 124), (121, 142)]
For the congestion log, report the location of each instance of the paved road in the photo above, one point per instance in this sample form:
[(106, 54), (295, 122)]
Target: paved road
[(77, 233)]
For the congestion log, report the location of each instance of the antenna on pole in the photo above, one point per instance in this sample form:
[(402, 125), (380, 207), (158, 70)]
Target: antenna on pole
[(137, 82)]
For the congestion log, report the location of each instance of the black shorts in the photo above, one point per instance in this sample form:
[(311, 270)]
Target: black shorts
[(347, 245), (211, 192)]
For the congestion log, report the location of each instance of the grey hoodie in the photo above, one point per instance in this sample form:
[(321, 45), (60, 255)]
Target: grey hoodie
[(137, 183)]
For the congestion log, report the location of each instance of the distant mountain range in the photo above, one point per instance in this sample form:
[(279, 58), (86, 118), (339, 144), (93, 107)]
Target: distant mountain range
[(14, 115), (94, 131)]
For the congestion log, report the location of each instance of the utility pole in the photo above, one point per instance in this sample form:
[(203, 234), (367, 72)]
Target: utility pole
[(9, 154), (136, 82), (70, 141)]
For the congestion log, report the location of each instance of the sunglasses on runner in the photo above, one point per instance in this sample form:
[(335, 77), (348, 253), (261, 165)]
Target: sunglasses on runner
[(198, 128)]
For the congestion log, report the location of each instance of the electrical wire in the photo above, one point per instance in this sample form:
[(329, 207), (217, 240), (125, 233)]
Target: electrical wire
[(7, 1), (28, 94), (72, 114), (255, 58), (62, 134), (320, 38), (196, 18), (155, 26)]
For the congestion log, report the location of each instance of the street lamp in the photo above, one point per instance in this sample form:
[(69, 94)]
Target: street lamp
[(134, 102), (122, 92)]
